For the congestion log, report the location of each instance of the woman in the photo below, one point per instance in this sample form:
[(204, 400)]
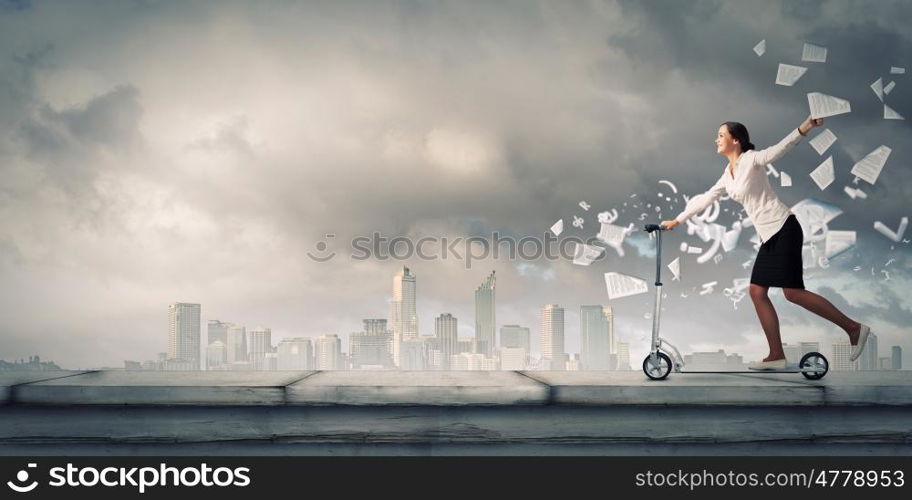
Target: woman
[(778, 262)]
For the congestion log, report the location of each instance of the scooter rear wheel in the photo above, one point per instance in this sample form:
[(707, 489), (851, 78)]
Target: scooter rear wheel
[(657, 371), (816, 361)]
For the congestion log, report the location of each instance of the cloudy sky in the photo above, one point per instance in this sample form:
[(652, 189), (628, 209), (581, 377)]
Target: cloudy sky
[(153, 152)]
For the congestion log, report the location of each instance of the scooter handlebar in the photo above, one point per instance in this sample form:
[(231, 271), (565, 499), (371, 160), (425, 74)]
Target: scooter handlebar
[(653, 227)]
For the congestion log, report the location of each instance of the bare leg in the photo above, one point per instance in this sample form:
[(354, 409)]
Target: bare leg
[(825, 309), (769, 320)]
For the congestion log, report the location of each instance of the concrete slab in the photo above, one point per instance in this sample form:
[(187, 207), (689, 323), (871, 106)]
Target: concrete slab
[(634, 388), (426, 388), (887, 388), (161, 388), (13, 378)]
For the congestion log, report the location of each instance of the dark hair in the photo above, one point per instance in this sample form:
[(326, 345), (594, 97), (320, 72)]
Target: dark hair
[(740, 133)]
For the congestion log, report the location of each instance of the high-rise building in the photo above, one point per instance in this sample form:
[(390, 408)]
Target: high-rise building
[(217, 331), (328, 352), (868, 360), (446, 330), (842, 353), (552, 335), (215, 356), (403, 310), (485, 318), (295, 354), (372, 346), (413, 354), (260, 343), (515, 336), (184, 335), (896, 354), (514, 358), (236, 346), (596, 338)]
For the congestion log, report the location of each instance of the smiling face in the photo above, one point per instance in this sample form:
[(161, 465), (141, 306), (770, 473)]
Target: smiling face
[(725, 143)]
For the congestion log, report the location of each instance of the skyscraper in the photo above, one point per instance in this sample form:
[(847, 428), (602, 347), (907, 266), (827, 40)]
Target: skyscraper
[(446, 329), (596, 338), (328, 352), (260, 344), (217, 331), (485, 318), (868, 360), (215, 356), (552, 336), (295, 354), (372, 346), (515, 336), (236, 346), (842, 352), (403, 311), (896, 354), (184, 334)]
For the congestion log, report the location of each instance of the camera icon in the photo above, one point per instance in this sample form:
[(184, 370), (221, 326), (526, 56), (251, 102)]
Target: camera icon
[(321, 247), (21, 477)]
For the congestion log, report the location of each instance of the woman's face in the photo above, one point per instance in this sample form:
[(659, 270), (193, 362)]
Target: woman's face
[(725, 143)]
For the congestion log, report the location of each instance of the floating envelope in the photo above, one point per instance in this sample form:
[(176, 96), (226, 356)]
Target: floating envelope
[(621, 285), (822, 141), (813, 53), (787, 74), (838, 242), (824, 174), (823, 105), (760, 48), (891, 114), (877, 87), (558, 227), (869, 167)]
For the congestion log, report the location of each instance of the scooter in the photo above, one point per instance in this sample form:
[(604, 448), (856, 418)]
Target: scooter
[(658, 364)]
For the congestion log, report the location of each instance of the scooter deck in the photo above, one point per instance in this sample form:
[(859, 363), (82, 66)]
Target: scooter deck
[(752, 371)]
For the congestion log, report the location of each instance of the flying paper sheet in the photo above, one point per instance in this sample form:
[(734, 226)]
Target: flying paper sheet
[(785, 179), (586, 254), (621, 285), (897, 71), (884, 230), (760, 48), (891, 114), (675, 268), (889, 88), (823, 105), (877, 87), (813, 215), (823, 141), (613, 236), (558, 227), (788, 74), (813, 53), (838, 242), (824, 174), (870, 166)]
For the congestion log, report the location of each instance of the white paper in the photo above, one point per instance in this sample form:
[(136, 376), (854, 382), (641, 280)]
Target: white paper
[(621, 285), (760, 48), (869, 167), (823, 105), (838, 242), (675, 268), (584, 255), (891, 114), (894, 70), (895, 236), (822, 141), (613, 236), (813, 53), (558, 227), (785, 179), (889, 88), (877, 87), (814, 215), (824, 174), (788, 74)]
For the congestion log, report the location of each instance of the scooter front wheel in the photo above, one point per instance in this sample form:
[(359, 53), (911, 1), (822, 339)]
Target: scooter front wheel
[(814, 366), (658, 369)]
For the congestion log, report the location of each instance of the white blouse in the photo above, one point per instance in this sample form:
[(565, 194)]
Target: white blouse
[(751, 188)]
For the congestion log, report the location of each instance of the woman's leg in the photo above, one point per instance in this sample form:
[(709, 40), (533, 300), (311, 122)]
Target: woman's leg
[(768, 320), (823, 308)]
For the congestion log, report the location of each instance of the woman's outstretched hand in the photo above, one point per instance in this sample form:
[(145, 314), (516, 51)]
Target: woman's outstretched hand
[(669, 224), (808, 124)]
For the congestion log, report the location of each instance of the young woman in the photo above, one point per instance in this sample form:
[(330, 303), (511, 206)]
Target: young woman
[(778, 262)]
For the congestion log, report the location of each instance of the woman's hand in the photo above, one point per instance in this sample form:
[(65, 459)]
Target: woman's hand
[(808, 124), (669, 224)]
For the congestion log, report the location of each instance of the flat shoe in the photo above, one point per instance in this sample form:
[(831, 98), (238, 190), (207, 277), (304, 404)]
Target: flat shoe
[(778, 364), (862, 338)]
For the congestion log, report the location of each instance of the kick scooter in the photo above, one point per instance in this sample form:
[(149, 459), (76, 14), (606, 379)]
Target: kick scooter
[(658, 364)]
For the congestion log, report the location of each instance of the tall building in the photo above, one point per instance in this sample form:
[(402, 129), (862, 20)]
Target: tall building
[(215, 355), (623, 356), (217, 331), (403, 311), (446, 329), (328, 352), (372, 346), (184, 335), (896, 354), (842, 353), (260, 343), (295, 354), (552, 335), (485, 318), (868, 360), (596, 338), (413, 354), (514, 358), (515, 336), (236, 346)]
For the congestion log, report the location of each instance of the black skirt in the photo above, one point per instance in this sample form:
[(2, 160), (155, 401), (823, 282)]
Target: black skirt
[(778, 262)]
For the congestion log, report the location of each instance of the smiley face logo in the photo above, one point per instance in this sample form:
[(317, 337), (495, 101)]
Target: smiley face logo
[(321, 247), (21, 477)]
